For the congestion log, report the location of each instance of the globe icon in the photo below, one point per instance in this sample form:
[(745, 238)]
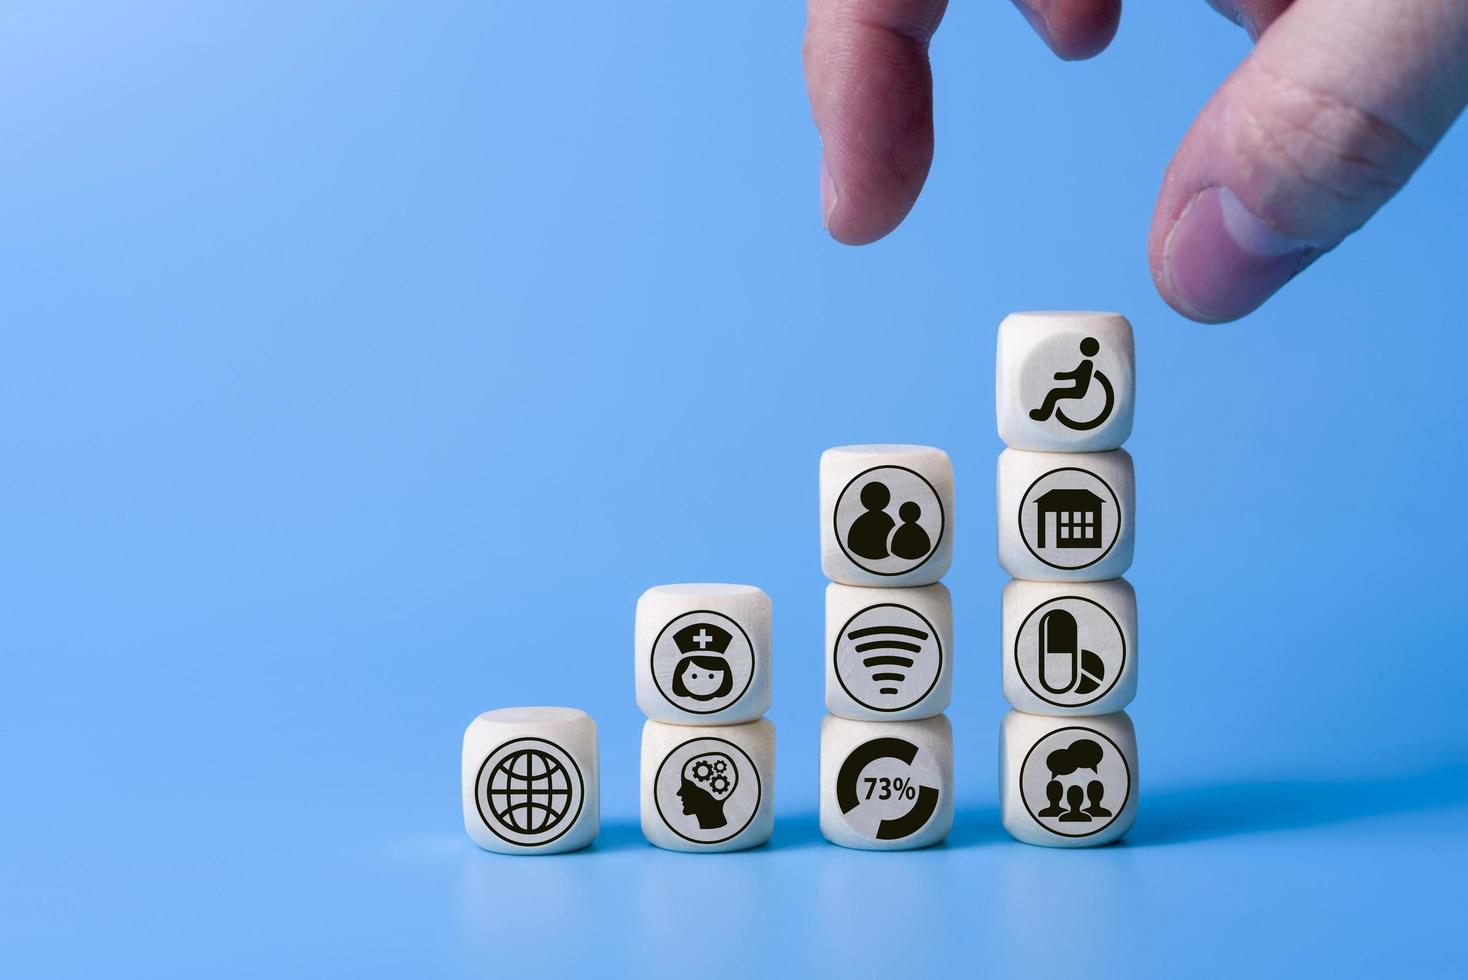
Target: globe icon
[(528, 789)]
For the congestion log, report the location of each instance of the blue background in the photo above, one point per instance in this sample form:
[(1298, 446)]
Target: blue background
[(361, 367)]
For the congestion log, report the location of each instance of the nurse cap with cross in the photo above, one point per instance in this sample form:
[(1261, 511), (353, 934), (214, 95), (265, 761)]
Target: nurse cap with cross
[(702, 638)]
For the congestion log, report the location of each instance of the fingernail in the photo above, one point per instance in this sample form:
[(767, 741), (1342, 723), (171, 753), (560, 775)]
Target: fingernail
[(1220, 262), (828, 193)]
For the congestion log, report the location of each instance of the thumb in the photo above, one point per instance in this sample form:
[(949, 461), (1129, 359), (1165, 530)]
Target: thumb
[(1315, 131)]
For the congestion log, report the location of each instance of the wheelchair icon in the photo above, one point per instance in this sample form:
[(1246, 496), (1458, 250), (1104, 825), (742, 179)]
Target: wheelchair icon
[(1080, 378)]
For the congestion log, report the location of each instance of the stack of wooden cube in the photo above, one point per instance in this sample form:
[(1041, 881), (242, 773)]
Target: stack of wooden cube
[(886, 746), (708, 753), (1065, 399)]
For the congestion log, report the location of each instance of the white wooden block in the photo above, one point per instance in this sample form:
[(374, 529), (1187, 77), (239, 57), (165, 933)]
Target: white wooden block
[(886, 786), (703, 654), (889, 652), (1066, 517), (1068, 782), (708, 788), (886, 515), (1070, 648), (1066, 381), (530, 780)]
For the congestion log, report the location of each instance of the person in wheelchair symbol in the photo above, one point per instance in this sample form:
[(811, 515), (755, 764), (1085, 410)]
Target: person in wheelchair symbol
[(1080, 379)]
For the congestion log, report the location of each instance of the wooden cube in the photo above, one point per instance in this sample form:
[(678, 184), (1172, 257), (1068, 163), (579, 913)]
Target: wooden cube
[(530, 780), (889, 652), (708, 788), (886, 515), (1070, 648), (703, 654), (1068, 782), (1065, 381), (886, 786), (1066, 516)]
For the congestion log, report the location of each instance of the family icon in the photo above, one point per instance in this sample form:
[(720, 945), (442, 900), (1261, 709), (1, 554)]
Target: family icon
[(875, 535), (885, 524)]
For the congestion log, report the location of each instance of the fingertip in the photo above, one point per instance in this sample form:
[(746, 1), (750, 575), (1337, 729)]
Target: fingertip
[(1074, 29), (1219, 262), (861, 218), (856, 226), (865, 195), (872, 100), (1084, 28)]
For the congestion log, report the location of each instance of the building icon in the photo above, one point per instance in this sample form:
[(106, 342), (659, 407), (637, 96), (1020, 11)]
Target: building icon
[(1077, 518)]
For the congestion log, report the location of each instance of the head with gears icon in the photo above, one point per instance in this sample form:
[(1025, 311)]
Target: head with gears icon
[(708, 782)]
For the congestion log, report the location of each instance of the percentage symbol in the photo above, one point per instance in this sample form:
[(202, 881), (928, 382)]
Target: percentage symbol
[(904, 788)]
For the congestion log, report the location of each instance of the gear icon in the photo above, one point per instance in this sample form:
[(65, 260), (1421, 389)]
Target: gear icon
[(712, 773)]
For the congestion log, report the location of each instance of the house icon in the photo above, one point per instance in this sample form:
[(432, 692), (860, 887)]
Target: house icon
[(1077, 515)]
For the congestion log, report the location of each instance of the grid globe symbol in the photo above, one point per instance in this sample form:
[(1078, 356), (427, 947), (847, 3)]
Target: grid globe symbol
[(529, 792)]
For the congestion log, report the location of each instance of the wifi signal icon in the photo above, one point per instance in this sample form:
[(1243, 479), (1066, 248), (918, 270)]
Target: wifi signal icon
[(888, 657), (881, 663)]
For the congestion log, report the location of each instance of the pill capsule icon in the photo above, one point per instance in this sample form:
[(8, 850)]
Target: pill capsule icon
[(1059, 651), (1064, 667)]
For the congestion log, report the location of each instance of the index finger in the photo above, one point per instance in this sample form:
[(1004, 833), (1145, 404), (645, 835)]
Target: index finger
[(871, 92)]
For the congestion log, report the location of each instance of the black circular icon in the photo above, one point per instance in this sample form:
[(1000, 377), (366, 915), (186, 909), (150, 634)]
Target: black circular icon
[(529, 792), (888, 788), (1070, 651), (707, 790), (702, 662), (888, 657), (1069, 518), (888, 520), (1074, 782)]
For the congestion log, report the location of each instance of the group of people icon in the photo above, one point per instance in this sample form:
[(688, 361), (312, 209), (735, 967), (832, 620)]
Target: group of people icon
[(1083, 753), (1095, 790), (875, 535)]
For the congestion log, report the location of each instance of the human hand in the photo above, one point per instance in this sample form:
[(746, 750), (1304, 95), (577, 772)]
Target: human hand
[(1337, 105)]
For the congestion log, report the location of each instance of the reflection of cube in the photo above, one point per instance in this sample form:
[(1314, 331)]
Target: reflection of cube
[(1068, 782), (886, 515), (530, 780), (703, 653), (1070, 648), (710, 788), (886, 786), (1066, 516), (889, 652), (1092, 351)]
